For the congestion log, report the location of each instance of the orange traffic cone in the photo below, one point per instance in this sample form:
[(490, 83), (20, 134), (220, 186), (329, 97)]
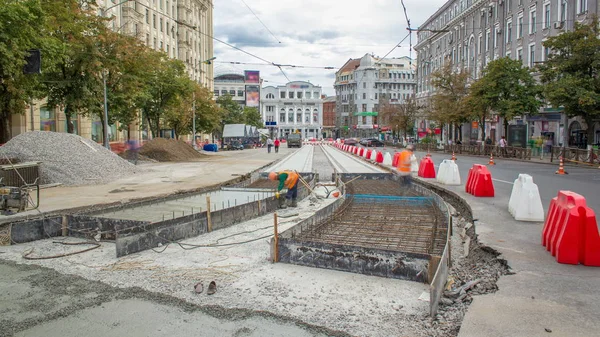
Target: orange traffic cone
[(453, 156), (561, 167), (491, 162)]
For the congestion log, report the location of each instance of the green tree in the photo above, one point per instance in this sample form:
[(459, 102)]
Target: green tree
[(478, 106), (448, 103), (570, 73), (208, 114), (252, 117), (508, 88), (231, 113), (21, 22)]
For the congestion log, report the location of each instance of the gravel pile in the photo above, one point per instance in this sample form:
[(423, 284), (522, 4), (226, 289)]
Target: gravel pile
[(67, 158), (163, 149)]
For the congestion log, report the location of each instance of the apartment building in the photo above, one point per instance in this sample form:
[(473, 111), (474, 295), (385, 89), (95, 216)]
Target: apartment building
[(364, 85), (471, 33), (329, 116), (183, 29), (294, 107)]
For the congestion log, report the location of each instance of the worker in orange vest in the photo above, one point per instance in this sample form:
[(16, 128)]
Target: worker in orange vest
[(404, 164), (289, 180)]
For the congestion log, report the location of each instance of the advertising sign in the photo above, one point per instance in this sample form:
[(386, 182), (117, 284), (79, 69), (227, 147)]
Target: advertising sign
[(517, 135), (252, 76), (252, 95)]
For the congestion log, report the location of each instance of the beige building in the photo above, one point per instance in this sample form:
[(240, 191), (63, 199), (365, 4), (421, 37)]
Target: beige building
[(181, 28)]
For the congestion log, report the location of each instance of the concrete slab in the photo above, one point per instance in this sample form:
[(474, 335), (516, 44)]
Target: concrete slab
[(300, 161), (346, 163)]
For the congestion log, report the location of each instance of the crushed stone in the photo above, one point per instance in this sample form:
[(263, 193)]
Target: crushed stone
[(66, 158), (162, 149)]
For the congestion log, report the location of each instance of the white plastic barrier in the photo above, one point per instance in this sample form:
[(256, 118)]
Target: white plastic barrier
[(387, 159), (448, 173), (414, 165), (525, 203), (365, 153), (373, 155)]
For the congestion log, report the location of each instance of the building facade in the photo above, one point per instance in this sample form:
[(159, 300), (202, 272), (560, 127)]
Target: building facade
[(329, 116), (364, 85), (242, 86), (180, 28), (296, 107), (471, 33)]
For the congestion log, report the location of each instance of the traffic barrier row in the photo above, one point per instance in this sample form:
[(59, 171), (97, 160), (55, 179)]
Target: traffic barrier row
[(448, 173), (525, 203), (570, 231), (479, 182)]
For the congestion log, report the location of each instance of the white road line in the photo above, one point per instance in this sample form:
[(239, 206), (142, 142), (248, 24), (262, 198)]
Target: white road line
[(504, 181)]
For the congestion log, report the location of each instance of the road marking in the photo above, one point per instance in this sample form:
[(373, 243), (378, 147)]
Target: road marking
[(504, 181)]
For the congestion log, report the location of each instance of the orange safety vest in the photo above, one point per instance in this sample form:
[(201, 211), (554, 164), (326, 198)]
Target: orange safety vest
[(291, 180), (404, 161)]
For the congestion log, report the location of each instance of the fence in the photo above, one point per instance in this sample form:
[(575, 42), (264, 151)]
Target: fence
[(576, 155)]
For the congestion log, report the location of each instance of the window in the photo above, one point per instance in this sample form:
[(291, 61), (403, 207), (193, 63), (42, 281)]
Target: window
[(47, 119), (299, 116), (240, 93), (495, 36), (316, 95), (364, 95), (270, 96), (562, 13), (531, 56), (508, 53), (546, 23), (307, 95), (581, 6), (161, 24), (232, 92), (520, 54), (316, 116), (364, 107), (364, 85), (508, 31), (282, 117), (307, 116), (167, 6), (270, 108), (161, 45), (223, 92), (546, 53), (299, 94), (147, 39), (217, 93), (291, 116), (487, 40), (154, 20), (520, 27), (364, 120), (147, 16), (480, 44), (532, 22), (375, 95), (154, 44), (291, 94), (282, 94)]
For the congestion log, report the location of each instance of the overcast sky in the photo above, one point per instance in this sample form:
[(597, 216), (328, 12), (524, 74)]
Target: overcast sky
[(318, 33)]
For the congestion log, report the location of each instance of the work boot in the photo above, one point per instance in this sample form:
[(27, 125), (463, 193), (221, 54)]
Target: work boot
[(294, 203), (282, 204)]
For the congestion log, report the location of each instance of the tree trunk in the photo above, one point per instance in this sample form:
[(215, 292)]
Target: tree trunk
[(5, 133), (459, 126), (70, 126), (590, 130), (505, 121), (482, 127)]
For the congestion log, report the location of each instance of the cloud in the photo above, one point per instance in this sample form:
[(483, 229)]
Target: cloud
[(313, 33)]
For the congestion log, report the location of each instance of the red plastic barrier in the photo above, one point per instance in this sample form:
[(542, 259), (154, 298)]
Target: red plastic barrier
[(355, 150), (570, 231), (426, 169), (361, 152), (379, 157), (395, 159), (482, 183), (472, 178), (369, 153)]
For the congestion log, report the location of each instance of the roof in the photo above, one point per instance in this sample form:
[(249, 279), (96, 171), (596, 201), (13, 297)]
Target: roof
[(329, 99), (350, 65), (234, 130)]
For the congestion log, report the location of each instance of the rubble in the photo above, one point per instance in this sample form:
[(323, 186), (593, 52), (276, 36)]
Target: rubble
[(162, 149)]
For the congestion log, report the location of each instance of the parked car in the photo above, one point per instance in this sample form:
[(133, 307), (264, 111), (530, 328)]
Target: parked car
[(235, 146), (350, 141), (371, 142)]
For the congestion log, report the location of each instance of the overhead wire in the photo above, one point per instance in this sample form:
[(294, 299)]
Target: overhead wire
[(259, 20)]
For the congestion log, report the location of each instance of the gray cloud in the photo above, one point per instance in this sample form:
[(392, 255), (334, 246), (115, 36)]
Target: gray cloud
[(244, 37), (317, 35)]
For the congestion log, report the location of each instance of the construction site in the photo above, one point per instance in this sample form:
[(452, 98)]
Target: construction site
[(172, 229)]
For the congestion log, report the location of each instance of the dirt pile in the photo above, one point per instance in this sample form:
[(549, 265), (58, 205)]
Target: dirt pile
[(162, 149)]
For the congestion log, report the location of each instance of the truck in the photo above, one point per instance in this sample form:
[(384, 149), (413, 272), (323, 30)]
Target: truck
[(294, 140)]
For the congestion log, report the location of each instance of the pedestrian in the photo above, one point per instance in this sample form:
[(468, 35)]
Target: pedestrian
[(404, 165), (277, 145), (289, 180), (269, 144), (503, 146), (133, 149)]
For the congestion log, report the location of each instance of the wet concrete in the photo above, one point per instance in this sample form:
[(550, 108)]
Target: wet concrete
[(221, 199), (344, 162), (42, 302)]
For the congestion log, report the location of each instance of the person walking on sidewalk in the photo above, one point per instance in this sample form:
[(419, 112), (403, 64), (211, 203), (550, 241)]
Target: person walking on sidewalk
[(503, 146), (289, 180), (404, 165), (269, 144), (277, 145)]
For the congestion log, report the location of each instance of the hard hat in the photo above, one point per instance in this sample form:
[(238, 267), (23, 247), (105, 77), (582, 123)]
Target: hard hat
[(273, 176)]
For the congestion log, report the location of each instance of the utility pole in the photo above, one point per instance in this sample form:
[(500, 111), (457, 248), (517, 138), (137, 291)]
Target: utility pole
[(194, 120), (106, 144)]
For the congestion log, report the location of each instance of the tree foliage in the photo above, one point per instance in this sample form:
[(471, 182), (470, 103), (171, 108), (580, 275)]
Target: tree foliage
[(508, 88), (448, 104), (252, 117), (400, 117), (570, 73)]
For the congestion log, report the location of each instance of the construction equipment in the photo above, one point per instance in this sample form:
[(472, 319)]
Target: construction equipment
[(18, 198)]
